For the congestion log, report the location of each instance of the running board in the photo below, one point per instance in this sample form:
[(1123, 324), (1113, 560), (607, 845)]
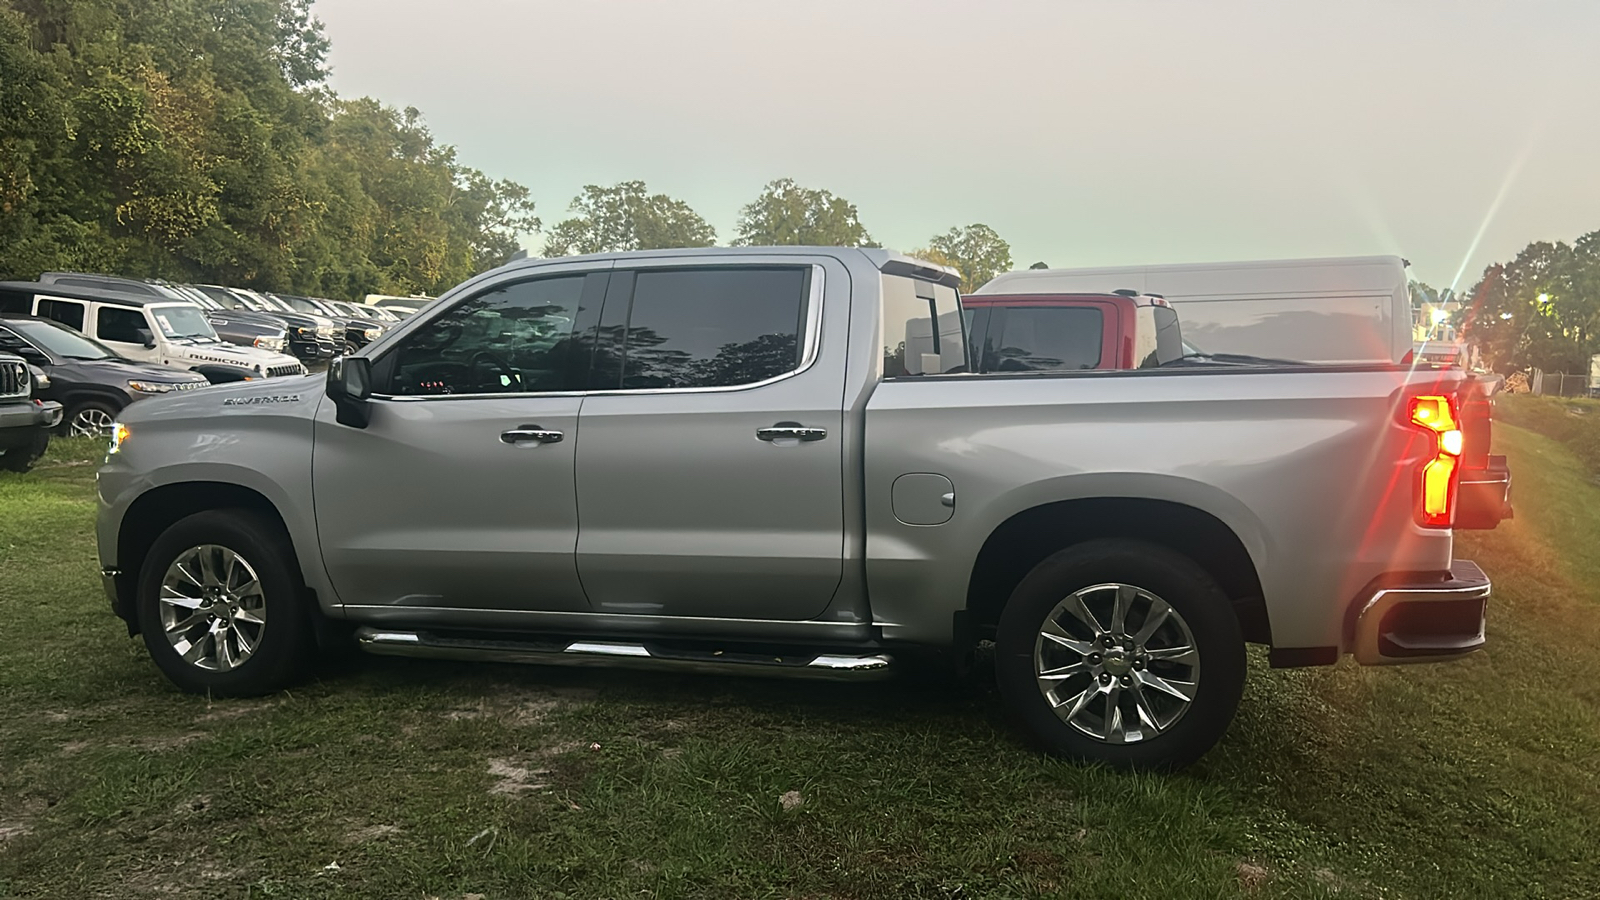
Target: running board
[(826, 666)]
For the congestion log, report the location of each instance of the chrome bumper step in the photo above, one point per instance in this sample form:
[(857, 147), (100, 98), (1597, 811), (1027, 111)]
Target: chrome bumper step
[(803, 664)]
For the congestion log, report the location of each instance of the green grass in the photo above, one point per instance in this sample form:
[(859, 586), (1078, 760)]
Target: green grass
[(1477, 778)]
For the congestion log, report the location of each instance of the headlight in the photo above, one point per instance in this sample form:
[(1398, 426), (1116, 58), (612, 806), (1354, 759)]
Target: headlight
[(304, 329), (119, 433), (373, 332), (330, 331), (151, 387), (274, 344)]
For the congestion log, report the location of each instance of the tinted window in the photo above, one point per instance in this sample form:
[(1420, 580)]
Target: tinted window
[(16, 301), (911, 343), (11, 343), (712, 327), (1036, 338), (1158, 339), (61, 340), (124, 325), (66, 312), (513, 339)]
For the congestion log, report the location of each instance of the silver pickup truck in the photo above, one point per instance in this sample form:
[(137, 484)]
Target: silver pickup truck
[(774, 460)]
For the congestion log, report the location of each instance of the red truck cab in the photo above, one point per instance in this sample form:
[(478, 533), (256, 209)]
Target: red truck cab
[(1054, 332)]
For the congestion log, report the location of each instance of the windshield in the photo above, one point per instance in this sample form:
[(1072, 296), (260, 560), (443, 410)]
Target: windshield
[(58, 340), (183, 322), (300, 304)]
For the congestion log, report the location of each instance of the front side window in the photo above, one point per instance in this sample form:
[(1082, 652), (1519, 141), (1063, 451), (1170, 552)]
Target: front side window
[(67, 312), (923, 332), (699, 328), (512, 339), (1046, 338), (121, 325)]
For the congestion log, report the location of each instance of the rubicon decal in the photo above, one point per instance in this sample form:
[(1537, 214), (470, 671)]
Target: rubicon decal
[(256, 401)]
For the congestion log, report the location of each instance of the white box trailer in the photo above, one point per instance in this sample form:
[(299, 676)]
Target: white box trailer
[(1339, 310)]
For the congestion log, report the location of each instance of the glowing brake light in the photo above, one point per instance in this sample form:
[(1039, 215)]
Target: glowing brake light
[(1436, 492)]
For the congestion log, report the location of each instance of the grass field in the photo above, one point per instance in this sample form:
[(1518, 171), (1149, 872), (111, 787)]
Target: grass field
[(405, 779)]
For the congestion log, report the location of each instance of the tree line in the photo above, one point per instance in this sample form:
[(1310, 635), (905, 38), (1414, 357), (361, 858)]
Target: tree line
[(1541, 309), (199, 141)]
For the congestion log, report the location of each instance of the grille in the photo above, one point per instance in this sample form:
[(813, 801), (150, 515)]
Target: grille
[(188, 385), (14, 380), (290, 369)]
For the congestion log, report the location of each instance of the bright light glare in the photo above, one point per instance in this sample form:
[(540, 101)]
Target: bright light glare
[(1439, 315)]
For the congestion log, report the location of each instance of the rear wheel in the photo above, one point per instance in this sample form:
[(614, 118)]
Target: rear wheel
[(1121, 652), (219, 605), (21, 459)]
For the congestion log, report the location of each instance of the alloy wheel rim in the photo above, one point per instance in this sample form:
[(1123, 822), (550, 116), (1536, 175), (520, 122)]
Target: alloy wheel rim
[(213, 611), (91, 422), (1117, 663)]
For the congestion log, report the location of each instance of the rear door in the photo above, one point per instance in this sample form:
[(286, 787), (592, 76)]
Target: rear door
[(710, 475)]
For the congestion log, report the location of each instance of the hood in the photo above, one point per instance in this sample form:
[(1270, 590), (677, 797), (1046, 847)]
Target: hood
[(294, 396), (233, 355), (112, 369), (249, 317)]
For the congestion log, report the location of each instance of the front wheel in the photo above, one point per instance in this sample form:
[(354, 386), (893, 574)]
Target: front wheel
[(219, 605), (1121, 652), (89, 418)]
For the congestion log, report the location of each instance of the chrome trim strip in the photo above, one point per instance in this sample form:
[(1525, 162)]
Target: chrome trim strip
[(1475, 586), (406, 617), (808, 357)]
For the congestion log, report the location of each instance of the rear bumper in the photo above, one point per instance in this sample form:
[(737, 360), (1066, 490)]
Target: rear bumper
[(1484, 498), (1412, 619)]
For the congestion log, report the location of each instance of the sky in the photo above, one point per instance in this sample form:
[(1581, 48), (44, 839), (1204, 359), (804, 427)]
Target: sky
[(1086, 132)]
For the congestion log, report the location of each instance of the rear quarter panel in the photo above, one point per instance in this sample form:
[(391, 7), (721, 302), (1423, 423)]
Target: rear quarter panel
[(1311, 470)]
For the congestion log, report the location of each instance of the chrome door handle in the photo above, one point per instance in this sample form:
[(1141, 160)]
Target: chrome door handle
[(792, 431), (530, 434)]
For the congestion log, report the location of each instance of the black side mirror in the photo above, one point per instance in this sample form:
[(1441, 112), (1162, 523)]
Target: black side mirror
[(149, 343), (350, 388)]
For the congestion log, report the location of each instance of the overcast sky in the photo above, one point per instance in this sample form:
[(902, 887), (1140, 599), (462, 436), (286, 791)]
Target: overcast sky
[(1086, 133)]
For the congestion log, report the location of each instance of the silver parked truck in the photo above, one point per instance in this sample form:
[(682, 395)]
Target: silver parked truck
[(775, 461)]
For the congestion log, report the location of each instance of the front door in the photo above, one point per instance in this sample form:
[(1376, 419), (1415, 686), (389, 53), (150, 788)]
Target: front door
[(126, 331), (459, 493), (710, 473)]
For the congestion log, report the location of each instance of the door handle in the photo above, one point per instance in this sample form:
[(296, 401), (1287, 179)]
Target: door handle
[(530, 434), (792, 431)]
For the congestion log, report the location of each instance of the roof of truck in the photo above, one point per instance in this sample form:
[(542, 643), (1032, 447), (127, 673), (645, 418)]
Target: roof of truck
[(1052, 298), (100, 295), (888, 261)]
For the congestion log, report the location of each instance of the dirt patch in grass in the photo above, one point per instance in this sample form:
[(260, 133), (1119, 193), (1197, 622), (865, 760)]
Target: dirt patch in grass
[(371, 833), (522, 705), (157, 744), (515, 778)]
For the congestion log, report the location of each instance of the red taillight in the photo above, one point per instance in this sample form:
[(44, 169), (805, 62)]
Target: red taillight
[(1436, 489)]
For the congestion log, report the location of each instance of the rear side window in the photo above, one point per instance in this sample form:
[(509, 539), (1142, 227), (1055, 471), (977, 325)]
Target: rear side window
[(1158, 339), (67, 312), (1046, 338), (923, 331), (16, 301), (699, 328)]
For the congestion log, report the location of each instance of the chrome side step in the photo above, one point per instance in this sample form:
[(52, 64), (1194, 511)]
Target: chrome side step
[(827, 666)]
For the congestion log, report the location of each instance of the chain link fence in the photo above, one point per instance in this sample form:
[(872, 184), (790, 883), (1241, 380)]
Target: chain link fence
[(1560, 384)]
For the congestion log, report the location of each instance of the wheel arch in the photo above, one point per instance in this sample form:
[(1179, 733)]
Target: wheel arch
[(157, 509), (1020, 542)]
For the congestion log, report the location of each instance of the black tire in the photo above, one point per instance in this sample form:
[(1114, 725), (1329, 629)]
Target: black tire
[(1173, 578), (21, 459), (285, 647), (110, 410)]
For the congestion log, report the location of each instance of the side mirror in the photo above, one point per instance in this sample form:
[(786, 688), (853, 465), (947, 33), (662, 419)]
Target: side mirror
[(150, 343), (349, 386)]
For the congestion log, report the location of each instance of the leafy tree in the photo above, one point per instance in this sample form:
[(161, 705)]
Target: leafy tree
[(975, 251), (1541, 309), (197, 140), (787, 214), (627, 217)]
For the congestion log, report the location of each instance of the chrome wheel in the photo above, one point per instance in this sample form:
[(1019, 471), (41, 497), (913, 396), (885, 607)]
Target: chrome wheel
[(212, 609), (90, 422), (1117, 663)]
